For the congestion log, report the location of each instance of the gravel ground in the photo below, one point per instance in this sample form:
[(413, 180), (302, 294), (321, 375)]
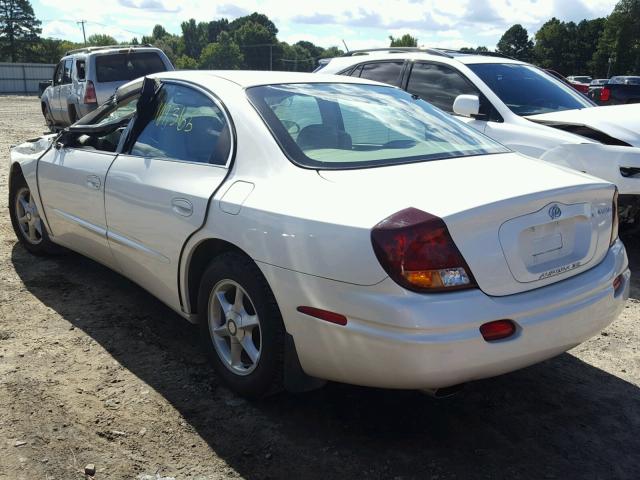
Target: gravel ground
[(93, 370)]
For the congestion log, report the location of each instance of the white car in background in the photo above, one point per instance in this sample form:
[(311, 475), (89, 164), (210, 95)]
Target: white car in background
[(322, 227), (519, 105)]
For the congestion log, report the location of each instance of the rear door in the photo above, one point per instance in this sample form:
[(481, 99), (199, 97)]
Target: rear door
[(65, 91), (157, 194), (54, 95)]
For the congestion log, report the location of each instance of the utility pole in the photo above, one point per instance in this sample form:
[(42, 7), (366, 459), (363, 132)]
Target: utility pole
[(82, 22)]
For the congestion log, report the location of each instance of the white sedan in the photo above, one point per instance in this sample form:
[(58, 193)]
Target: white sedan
[(328, 228)]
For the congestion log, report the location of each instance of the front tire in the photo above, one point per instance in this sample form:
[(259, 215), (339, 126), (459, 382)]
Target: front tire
[(241, 326), (48, 118), (26, 221)]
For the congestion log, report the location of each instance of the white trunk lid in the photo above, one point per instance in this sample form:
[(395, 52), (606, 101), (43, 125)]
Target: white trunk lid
[(519, 223)]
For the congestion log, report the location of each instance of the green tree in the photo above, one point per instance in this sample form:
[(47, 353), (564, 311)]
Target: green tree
[(314, 50), (259, 18), (194, 37), (474, 50), (404, 41), (332, 52), (215, 28), (46, 50), (222, 55), (100, 39), (185, 62), (516, 43), (19, 28), (258, 45), (159, 32), (296, 58), (620, 41)]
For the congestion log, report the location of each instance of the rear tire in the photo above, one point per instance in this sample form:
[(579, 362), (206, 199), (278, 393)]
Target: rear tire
[(26, 221), (48, 118), (73, 115), (241, 327)]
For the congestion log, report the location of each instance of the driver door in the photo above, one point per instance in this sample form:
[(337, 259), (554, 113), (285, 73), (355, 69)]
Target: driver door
[(72, 179)]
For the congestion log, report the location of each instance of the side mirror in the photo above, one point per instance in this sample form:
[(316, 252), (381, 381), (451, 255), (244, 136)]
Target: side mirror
[(466, 105)]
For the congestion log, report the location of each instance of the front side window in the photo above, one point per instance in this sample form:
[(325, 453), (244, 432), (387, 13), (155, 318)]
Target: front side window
[(363, 125), (385, 72), (439, 85), (185, 125), (527, 90), (120, 67)]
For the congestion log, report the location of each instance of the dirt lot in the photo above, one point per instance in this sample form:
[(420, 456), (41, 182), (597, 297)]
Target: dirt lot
[(95, 370)]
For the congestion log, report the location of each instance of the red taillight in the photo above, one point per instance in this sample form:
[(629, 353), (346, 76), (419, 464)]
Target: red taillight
[(325, 315), (605, 94), (614, 218), (417, 251), (90, 93), (497, 330)]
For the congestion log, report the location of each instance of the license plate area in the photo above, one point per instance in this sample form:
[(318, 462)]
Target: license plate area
[(538, 246)]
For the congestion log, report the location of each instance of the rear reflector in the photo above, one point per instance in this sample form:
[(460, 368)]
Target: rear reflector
[(325, 315), (617, 283), (497, 330)]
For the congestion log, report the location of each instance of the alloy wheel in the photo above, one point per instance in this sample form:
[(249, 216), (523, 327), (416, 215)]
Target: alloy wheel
[(28, 217), (234, 327)]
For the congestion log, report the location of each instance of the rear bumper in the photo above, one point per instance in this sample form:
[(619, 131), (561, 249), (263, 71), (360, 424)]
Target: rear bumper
[(399, 339)]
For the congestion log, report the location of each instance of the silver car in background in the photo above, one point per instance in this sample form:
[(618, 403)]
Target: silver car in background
[(85, 78)]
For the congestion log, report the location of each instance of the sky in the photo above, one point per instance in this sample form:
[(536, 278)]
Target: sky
[(436, 23)]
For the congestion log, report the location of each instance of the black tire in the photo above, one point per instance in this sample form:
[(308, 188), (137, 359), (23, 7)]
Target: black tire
[(44, 246), (267, 374), (73, 115), (48, 118)]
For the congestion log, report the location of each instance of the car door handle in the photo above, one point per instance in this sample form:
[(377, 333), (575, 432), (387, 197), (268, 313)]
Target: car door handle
[(182, 206), (93, 181)]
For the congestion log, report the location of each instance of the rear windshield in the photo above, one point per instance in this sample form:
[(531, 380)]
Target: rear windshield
[(127, 66), (527, 90), (342, 125)]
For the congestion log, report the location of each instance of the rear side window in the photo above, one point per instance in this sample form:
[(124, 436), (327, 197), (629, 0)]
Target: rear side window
[(120, 67), (385, 72), (185, 125), (438, 85), (57, 76), (80, 69)]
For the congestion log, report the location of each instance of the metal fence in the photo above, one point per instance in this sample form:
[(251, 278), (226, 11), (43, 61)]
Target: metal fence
[(23, 78)]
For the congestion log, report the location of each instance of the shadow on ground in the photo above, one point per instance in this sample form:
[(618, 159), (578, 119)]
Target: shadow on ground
[(560, 419)]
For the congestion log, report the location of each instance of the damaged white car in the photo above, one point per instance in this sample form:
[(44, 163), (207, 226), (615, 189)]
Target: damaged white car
[(519, 105), (327, 228)]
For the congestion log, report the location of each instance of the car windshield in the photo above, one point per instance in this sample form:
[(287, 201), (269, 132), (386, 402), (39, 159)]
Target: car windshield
[(342, 125), (527, 90)]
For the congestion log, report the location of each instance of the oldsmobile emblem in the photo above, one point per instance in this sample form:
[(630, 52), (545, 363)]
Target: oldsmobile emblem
[(554, 212)]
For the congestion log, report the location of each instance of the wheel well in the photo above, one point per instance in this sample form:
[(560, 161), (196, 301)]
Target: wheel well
[(15, 171), (200, 259)]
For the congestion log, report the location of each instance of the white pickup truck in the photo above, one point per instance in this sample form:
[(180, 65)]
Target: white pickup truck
[(519, 105)]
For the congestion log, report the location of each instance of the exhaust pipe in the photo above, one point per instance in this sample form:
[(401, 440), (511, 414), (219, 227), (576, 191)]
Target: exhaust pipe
[(445, 392)]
